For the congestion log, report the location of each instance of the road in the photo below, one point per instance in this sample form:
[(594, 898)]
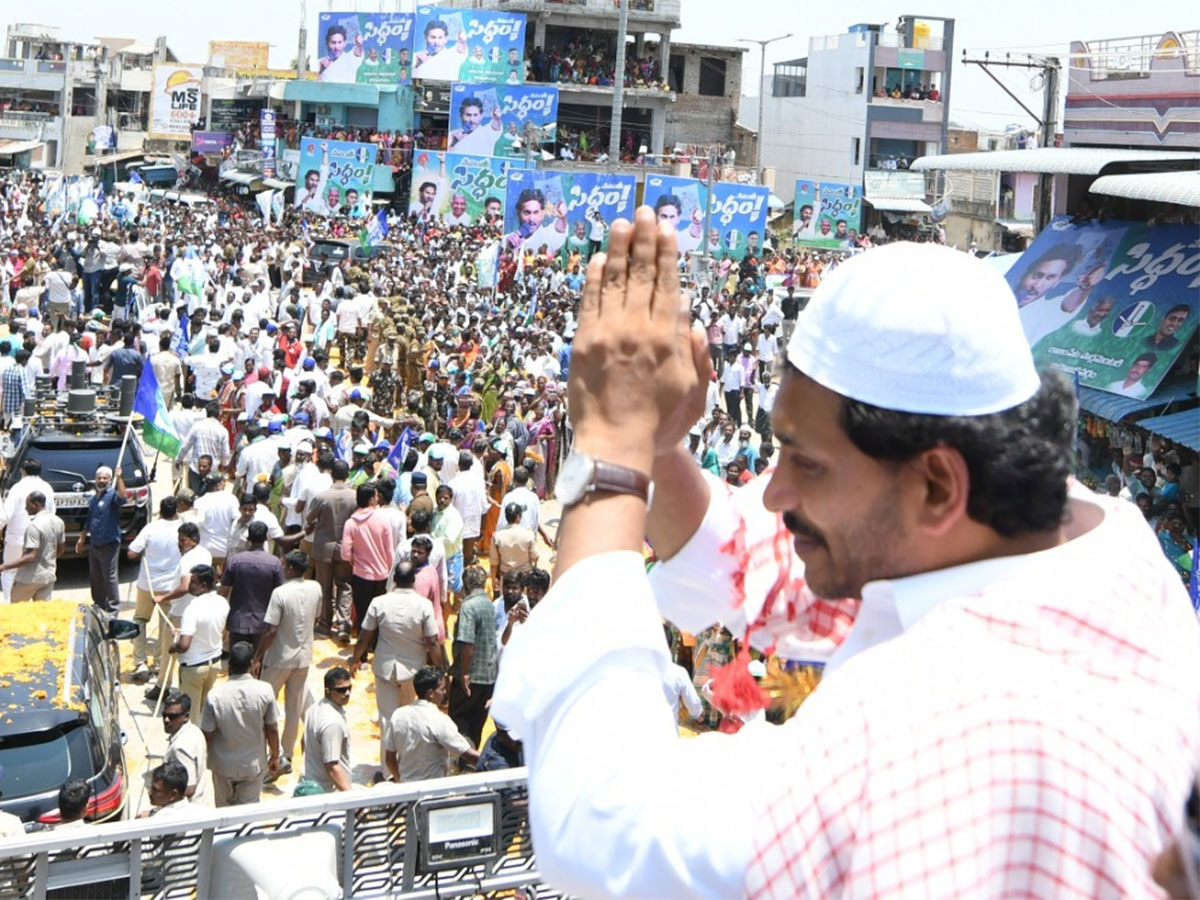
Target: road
[(145, 739)]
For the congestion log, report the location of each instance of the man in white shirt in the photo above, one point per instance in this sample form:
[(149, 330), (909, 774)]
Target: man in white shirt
[(521, 495), (733, 380), (962, 567), (218, 508), (15, 519), (201, 632), (471, 501), (158, 542)]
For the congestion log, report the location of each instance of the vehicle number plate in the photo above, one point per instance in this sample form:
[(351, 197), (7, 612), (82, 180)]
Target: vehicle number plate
[(67, 501)]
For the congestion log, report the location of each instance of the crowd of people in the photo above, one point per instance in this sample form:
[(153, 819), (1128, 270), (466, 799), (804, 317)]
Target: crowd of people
[(585, 60)]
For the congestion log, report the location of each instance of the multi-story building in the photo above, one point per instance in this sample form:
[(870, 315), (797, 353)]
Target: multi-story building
[(54, 91), (707, 82), (1134, 92), (859, 108)]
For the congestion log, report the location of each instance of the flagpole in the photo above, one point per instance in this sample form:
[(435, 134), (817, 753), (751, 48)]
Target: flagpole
[(124, 444)]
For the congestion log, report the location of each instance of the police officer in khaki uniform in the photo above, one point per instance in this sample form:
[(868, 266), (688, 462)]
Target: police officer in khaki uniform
[(240, 723), (285, 652)]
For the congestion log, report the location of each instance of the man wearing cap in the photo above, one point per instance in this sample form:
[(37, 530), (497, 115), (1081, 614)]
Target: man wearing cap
[(514, 548), (361, 465), (923, 475)]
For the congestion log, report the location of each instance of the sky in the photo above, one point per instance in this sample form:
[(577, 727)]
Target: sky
[(1026, 26)]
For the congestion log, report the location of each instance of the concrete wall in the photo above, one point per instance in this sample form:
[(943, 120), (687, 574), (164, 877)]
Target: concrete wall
[(813, 136), (696, 119)]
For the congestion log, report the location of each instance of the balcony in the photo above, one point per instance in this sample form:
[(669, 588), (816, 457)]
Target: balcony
[(33, 74), (931, 110)]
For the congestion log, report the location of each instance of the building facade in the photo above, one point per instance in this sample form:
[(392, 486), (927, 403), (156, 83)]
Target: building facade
[(859, 108), (1134, 92)]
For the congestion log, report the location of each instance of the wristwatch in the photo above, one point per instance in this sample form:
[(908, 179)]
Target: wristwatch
[(581, 475)]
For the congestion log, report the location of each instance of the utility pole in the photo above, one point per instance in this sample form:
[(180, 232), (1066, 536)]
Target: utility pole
[(302, 52), (1051, 68), (614, 127), (762, 101), (702, 258)]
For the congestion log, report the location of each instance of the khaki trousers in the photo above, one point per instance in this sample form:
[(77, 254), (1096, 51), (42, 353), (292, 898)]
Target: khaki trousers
[(237, 791), (196, 682), (293, 682), (389, 697)]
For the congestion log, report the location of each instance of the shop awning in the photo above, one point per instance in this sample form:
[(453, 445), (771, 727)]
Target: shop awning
[(1114, 407), (899, 204), (246, 178), (13, 147), (1025, 229), (1181, 427), (276, 184), (1054, 160), (1182, 188)]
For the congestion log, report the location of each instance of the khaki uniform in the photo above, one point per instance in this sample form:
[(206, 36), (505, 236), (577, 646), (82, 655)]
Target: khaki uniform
[(423, 737), (188, 747), (403, 620), (326, 740), (236, 714), (292, 609)]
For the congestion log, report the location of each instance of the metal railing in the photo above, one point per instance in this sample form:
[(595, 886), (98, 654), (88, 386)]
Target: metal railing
[(376, 832)]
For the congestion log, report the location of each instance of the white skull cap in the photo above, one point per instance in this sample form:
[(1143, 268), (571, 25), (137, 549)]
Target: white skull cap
[(916, 328)]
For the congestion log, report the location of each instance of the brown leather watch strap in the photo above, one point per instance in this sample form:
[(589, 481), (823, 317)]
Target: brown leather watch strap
[(614, 479)]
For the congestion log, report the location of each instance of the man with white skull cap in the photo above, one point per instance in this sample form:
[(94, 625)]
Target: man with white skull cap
[(1006, 708)]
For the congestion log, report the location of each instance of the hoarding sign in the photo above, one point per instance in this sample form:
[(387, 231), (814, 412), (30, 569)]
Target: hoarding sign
[(1114, 303), (175, 101), (469, 45), (333, 177), (826, 214), (238, 54), (489, 118), (365, 48), (737, 214), (458, 189), (557, 210)]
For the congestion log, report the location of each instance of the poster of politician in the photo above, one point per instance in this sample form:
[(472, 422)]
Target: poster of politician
[(175, 102), (334, 177), (564, 211), (365, 48), (1113, 302), (457, 189), (737, 221), (826, 214), (469, 45), (488, 119)]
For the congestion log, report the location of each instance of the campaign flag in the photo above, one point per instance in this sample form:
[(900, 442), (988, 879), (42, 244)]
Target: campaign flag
[(737, 214), (826, 214), (557, 210), (135, 177), (365, 47), (1113, 302), (264, 205), (459, 189), (533, 306), (488, 119), (157, 429), (188, 273), (401, 448), (333, 175), (180, 344), (487, 265), (377, 228), (277, 202), (470, 45)]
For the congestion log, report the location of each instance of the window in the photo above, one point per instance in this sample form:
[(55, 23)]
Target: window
[(857, 150), (675, 70), (712, 77), (859, 77), (791, 79)]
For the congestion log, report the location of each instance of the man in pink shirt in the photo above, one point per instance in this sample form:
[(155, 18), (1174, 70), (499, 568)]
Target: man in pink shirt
[(427, 583), (369, 545)]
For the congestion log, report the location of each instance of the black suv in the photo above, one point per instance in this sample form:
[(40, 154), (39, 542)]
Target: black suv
[(326, 253), (59, 701), (70, 453)]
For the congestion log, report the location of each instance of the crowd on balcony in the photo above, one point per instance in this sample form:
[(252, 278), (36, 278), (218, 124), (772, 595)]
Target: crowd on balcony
[(9, 105), (912, 92), (584, 61)]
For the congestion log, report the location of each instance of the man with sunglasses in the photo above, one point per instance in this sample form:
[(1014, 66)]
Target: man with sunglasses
[(327, 736), (186, 745)]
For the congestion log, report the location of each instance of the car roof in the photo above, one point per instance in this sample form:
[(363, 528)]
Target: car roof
[(41, 666)]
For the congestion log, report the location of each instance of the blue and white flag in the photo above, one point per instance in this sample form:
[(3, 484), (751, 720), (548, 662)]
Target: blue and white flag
[(377, 228), (401, 448), (157, 428), (181, 337)]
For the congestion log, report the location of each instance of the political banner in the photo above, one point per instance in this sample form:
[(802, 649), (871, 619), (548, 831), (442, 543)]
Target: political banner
[(333, 177), (238, 54), (365, 47), (488, 119), (266, 132), (457, 189), (175, 100), (469, 45), (826, 214), (211, 141), (564, 211), (1114, 303), (104, 137), (737, 220)]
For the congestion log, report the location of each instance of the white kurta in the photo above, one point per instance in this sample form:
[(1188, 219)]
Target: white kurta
[(1022, 725)]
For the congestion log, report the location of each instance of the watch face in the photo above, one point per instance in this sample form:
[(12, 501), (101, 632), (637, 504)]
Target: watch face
[(573, 478)]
